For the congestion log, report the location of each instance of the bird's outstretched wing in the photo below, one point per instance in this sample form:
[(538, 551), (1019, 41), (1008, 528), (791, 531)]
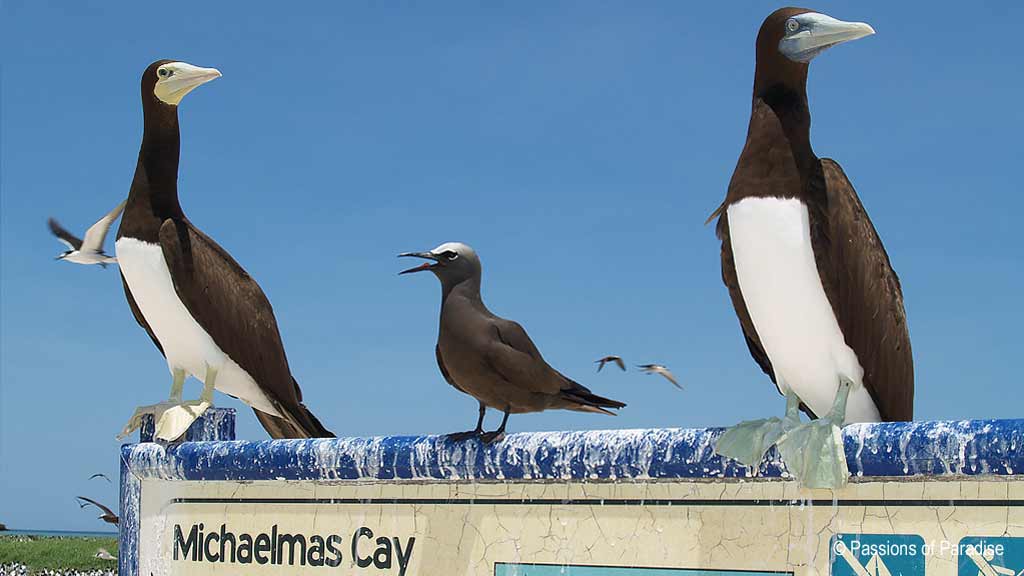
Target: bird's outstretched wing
[(70, 240), (865, 293), (617, 360), (96, 233), (670, 377), (88, 501), (212, 286), (100, 475)]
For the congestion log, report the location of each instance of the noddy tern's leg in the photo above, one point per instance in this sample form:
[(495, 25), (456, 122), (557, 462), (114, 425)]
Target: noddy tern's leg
[(175, 420), (497, 435), (157, 410), (460, 436), (813, 452)]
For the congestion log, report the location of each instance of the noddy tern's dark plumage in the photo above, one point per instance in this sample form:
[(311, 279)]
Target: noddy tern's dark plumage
[(491, 358)]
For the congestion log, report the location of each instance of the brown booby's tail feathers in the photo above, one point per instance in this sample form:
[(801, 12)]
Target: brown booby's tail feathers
[(305, 425)]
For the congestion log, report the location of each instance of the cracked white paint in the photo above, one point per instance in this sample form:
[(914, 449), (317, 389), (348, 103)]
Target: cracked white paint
[(456, 536), (469, 506)]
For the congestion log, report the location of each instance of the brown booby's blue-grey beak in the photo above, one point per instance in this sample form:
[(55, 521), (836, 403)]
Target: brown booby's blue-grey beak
[(811, 33)]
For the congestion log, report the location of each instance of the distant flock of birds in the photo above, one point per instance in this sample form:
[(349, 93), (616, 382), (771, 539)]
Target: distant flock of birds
[(819, 305)]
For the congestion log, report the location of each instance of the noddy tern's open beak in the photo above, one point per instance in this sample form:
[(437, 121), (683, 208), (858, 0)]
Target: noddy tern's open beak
[(421, 267)]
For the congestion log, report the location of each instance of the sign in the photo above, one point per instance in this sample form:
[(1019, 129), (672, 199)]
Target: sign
[(601, 503), (990, 556), (878, 555)]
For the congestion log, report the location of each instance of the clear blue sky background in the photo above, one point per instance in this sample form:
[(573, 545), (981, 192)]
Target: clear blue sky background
[(578, 146)]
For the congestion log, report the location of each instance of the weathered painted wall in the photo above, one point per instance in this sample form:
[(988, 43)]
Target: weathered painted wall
[(654, 499)]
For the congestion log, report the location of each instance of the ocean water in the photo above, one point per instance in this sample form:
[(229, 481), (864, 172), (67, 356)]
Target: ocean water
[(64, 533)]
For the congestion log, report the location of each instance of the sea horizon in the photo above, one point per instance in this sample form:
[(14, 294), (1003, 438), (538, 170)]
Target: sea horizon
[(64, 533)]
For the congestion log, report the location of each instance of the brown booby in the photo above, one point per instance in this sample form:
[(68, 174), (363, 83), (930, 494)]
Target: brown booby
[(207, 316), (818, 301), (490, 358)]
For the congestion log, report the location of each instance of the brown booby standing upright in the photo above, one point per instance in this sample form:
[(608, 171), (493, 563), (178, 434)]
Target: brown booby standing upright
[(819, 303), (490, 358), (203, 311)]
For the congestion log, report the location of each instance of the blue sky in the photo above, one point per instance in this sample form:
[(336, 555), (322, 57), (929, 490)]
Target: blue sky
[(578, 147)]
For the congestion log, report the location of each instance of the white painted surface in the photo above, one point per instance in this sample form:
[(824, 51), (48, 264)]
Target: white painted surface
[(771, 244), (185, 343)]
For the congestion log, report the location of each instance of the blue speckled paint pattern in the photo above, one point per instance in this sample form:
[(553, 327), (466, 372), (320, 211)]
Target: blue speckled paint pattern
[(885, 451)]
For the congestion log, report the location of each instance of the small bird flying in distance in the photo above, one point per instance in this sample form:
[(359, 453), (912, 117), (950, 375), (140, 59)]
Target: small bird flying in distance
[(89, 250), (659, 369), (102, 554), (108, 515), (104, 476), (616, 359)]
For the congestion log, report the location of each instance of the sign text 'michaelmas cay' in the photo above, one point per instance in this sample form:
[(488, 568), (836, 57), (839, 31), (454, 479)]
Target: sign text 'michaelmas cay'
[(283, 549)]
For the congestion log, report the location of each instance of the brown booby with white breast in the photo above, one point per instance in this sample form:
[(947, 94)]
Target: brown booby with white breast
[(819, 303), (203, 311)]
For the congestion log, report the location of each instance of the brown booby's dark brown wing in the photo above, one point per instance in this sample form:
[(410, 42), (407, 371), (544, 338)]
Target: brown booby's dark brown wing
[(233, 310), (864, 291)]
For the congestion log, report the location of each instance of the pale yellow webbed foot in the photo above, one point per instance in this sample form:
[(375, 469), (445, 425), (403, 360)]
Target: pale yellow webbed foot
[(174, 421), (135, 422)]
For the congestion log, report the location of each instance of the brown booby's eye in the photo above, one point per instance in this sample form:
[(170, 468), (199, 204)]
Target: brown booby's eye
[(164, 72), (792, 25)]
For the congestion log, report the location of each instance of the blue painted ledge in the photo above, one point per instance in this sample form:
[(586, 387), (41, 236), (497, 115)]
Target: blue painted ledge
[(968, 448)]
